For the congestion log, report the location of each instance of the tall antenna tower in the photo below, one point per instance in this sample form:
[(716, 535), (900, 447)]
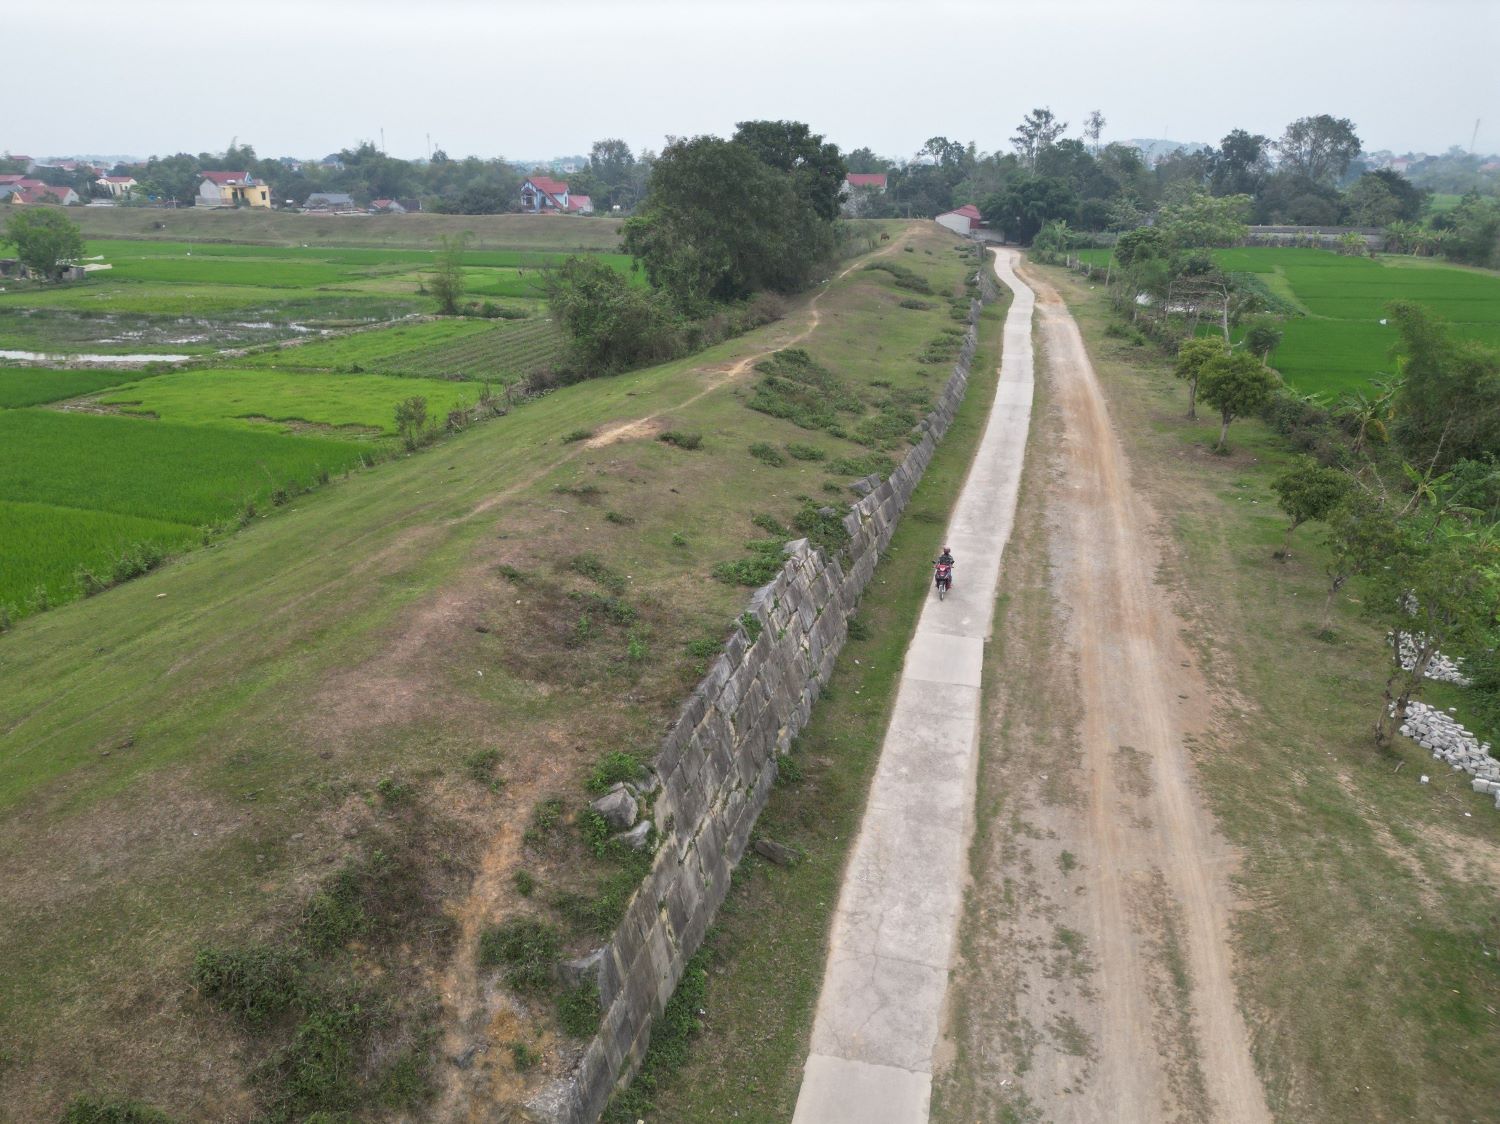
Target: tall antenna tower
[(1474, 136)]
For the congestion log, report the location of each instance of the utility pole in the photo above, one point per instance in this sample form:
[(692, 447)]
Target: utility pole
[(382, 140), (1474, 137)]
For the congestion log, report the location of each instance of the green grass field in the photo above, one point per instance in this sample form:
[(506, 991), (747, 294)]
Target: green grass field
[(1340, 344), (33, 386), (79, 488), (220, 396)]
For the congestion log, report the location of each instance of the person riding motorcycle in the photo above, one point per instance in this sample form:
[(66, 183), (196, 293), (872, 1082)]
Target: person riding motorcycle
[(944, 565)]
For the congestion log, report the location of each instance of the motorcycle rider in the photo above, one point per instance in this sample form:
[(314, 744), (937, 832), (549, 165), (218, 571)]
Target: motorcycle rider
[(946, 559)]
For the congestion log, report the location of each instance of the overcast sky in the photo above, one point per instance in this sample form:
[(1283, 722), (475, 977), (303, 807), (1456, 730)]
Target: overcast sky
[(537, 79)]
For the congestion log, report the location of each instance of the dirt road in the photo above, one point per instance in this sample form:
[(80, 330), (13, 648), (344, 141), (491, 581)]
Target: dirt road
[(1096, 977)]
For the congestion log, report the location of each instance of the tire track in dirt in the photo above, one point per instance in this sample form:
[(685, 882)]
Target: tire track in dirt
[(1097, 980)]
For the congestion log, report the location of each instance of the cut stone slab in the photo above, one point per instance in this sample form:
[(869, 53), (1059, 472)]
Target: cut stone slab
[(840, 1091), (618, 808), (636, 837)]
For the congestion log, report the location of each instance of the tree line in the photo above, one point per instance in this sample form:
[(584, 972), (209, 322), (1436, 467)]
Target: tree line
[(1312, 175)]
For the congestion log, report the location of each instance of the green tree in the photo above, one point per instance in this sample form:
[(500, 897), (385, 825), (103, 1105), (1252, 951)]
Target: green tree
[(815, 166), (1361, 533), (1192, 356), (1036, 132), (1200, 219), (46, 240), (720, 223), (1438, 585), (1240, 164), (447, 279), (611, 324), (1262, 337), (1307, 490), (1027, 203), (1473, 231), (1448, 405), (1235, 384), (1382, 198), (411, 420), (1320, 148)]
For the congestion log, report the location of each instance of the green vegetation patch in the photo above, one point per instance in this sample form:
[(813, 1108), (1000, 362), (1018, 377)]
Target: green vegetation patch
[(365, 403), (801, 390), (34, 386), (179, 473)]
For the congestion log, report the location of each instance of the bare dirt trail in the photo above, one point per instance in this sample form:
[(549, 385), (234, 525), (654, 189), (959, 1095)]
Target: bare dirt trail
[(1097, 977), (649, 426)]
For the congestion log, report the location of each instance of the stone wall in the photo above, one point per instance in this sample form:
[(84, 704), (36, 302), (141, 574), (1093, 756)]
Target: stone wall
[(717, 766)]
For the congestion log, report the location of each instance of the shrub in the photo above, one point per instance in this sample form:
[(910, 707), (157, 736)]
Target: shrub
[(858, 629), (913, 302), (772, 526), (788, 770), (480, 765), (618, 518), (678, 539), (682, 439), (905, 278), (393, 792), (523, 1057), (596, 832), (823, 526), (764, 564), (577, 435), (597, 572), (317, 1069), (254, 983), (806, 452), (802, 391), (525, 882), (527, 949), (614, 767), (767, 453), (335, 915), (578, 1010), (108, 1110)]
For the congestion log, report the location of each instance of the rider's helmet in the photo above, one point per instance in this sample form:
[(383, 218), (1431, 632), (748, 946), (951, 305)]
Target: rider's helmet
[(947, 550)]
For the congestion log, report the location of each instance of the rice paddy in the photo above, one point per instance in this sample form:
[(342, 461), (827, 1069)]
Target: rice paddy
[(98, 463), (1341, 344)]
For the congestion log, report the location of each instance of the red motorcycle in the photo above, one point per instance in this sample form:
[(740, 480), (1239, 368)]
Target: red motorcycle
[(942, 577)]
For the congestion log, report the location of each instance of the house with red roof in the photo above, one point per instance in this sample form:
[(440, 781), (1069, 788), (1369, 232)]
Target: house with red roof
[(26, 191), (865, 181), (386, 207), (544, 195), (965, 220), (232, 189)]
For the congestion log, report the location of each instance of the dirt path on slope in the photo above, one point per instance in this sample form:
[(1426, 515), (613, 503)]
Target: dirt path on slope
[(1096, 982), (653, 424)]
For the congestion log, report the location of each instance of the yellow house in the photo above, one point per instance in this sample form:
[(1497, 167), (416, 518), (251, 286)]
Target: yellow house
[(232, 189)]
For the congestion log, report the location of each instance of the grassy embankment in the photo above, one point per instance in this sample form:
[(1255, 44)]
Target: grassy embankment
[(1339, 343), (765, 956), (328, 747), (1369, 951)]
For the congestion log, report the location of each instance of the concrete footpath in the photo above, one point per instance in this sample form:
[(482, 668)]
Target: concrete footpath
[(894, 932)]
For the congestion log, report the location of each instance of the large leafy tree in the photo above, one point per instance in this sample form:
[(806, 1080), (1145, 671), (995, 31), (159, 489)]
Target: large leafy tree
[(1027, 203), (1240, 164), (815, 166), (1320, 148), (721, 223), (46, 240), (1383, 197), (1192, 357)]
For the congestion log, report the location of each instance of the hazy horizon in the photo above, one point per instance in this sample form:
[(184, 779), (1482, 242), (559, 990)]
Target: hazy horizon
[(505, 79)]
